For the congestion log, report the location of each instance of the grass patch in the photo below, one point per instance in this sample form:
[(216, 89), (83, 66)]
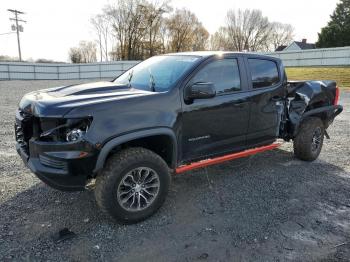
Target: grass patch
[(340, 74)]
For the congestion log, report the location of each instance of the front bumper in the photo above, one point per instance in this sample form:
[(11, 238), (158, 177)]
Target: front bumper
[(63, 166)]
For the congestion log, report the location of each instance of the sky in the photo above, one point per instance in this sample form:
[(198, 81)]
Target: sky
[(54, 26)]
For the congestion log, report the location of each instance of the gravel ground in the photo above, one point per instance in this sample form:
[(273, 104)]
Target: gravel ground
[(269, 207)]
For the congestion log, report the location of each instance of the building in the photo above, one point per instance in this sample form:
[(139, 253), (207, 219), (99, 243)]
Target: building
[(280, 48), (296, 46)]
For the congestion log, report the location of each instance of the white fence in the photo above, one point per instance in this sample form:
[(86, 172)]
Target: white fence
[(339, 56), (36, 71)]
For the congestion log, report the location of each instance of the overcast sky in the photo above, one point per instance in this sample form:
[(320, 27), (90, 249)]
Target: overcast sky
[(54, 26)]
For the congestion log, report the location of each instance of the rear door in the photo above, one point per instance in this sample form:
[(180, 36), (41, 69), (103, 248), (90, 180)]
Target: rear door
[(267, 89), (216, 125)]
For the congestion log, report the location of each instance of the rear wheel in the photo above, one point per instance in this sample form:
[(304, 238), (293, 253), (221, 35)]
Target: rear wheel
[(133, 185), (309, 140)]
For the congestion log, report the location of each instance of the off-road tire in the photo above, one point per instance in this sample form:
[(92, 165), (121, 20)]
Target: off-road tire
[(303, 142), (116, 168)]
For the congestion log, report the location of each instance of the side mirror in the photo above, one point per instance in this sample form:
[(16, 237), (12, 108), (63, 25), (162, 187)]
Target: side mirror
[(200, 90)]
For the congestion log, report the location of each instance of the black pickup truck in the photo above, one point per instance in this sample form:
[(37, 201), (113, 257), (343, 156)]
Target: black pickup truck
[(168, 114)]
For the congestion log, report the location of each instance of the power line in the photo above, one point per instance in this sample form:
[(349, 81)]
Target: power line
[(18, 28), (7, 33)]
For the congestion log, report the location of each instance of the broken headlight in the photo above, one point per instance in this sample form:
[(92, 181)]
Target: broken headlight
[(75, 134), (66, 130)]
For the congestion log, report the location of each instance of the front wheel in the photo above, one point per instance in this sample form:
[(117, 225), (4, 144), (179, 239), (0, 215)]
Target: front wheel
[(133, 185), (309, 140)]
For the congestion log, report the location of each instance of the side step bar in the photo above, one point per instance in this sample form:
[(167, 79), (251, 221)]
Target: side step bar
[(221, 159)]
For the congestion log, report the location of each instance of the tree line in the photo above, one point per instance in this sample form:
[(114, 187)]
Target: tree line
[(138, 29)]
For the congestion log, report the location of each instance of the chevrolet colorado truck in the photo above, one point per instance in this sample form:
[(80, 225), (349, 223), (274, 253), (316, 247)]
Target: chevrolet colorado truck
[(168, 114)]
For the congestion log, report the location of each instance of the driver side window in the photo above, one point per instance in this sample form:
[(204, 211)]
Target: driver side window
[(224, 74)]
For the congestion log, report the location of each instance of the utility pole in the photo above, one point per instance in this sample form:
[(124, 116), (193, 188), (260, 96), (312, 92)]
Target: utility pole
[(18, 28)]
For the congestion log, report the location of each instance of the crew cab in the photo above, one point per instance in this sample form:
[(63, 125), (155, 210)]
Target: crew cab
[(168, 114)]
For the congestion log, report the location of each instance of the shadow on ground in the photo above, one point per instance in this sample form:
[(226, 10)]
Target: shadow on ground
[(266, 207)]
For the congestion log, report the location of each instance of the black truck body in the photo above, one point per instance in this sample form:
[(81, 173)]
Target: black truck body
[(66, 135)]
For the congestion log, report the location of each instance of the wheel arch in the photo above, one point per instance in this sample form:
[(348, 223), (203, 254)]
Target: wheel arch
[(136, 138), (325, 113)]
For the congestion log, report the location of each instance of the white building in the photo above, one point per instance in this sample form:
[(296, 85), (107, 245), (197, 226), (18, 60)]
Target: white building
[(297, 46)]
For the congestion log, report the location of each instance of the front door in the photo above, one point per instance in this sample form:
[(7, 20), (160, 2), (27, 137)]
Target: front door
[(216, 125)]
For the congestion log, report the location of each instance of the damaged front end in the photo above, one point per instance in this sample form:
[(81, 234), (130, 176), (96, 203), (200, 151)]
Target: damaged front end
[(56, 149), (309, 98)]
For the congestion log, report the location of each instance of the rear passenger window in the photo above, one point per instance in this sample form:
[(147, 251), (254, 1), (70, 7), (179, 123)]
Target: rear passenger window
[(224, 74), (264, 73)]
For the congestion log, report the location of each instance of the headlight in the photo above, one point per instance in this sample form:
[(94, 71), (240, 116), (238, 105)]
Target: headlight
[(77, 129), (64, 130), (75, 135)]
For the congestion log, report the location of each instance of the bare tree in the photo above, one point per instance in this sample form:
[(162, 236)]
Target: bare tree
[(5, 58), (219, 40), (88, 51), (163, 36), (200, 39), (153, 13), (101, 26), (184, 30), (137, 27), (85, 53), (75, 55), (282, 34), (247, 30), (128, 25)]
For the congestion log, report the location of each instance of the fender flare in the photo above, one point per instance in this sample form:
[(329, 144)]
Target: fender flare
[(106, 149), (332, 112)]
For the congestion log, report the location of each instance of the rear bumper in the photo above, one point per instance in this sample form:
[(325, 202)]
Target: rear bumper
[(327, 113), (63, 166), (337, 110), (331, 111)]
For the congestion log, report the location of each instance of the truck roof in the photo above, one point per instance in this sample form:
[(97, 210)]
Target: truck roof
[(205, 54)]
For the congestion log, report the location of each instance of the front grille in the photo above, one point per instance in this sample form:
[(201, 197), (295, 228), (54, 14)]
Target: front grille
[(24, 130), (20, 138), (53, 163)]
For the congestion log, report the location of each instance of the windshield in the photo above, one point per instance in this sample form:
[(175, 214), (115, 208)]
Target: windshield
[(157, 73)]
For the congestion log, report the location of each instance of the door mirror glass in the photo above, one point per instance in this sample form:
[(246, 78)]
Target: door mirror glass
[(200, 90)]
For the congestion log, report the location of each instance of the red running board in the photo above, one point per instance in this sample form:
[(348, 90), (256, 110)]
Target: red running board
[(221, 159)]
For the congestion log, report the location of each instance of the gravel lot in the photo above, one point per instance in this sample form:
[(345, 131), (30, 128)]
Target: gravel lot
[(269, 207)]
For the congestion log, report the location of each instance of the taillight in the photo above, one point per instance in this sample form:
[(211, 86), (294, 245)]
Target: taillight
[(336, 98)]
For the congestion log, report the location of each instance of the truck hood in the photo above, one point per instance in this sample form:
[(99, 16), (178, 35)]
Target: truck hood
[(58, 101)]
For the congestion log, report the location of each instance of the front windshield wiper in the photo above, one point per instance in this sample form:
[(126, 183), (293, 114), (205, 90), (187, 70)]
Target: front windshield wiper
[(131, 73), (152, 83)]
